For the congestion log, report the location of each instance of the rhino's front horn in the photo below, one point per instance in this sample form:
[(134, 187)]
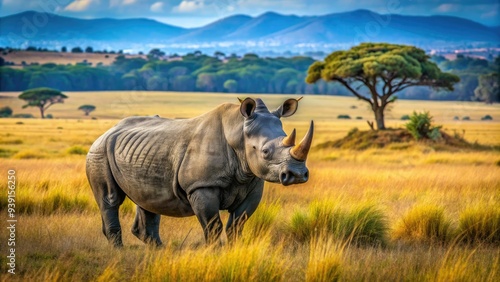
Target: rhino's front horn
[(289, 140), (300, 151)]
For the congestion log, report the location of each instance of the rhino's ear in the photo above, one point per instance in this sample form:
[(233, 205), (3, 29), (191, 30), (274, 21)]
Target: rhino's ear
[(247, 107), (288, 108)]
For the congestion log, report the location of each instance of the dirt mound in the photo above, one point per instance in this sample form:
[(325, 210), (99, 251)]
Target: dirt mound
[(361, 140)]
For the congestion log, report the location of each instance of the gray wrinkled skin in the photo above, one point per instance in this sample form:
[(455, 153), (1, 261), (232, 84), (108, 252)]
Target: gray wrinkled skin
[(217, 161)]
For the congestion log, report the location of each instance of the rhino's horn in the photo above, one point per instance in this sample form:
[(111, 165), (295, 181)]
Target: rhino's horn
[(300, 151), (289, 140)]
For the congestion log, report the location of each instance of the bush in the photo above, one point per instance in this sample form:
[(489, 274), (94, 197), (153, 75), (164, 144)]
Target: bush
[(487, 117), (359, 117), (76, 150), (420, 126), (466, 118), (364, 225), (262, 220), (424, 224), (49, 116), (343, 117), (456, 118), (5, 112), (405, 117), (479, 225)]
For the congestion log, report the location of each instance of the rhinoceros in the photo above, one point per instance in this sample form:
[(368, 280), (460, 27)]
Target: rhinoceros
[(198, 166)]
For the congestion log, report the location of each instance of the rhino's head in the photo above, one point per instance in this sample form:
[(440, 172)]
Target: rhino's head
[(271, 154)]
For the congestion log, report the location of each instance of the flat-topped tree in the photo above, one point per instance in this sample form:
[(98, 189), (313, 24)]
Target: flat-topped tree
[(42, 98), (375, 72), (87, 109)]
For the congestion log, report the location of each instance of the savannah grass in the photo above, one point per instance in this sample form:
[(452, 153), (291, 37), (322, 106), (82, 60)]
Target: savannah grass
[(357, 198)]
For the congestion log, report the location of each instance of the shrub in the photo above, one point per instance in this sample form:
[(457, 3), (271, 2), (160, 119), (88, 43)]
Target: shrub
[(5, 112), (6, 153), (76, 150), (359, 117), (420, 126), (456, 118), (424, 224), (466, 118), (405, 117), (364, 225), (480, 225), (343, 117), (487, 117), (49, 116)]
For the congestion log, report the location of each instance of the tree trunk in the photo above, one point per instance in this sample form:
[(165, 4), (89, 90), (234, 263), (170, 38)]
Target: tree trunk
[(41, 112), (86, 113), (379, 118)]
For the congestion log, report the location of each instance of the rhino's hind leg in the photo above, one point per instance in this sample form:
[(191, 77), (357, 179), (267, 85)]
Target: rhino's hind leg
[(109, 197), (147, 227)]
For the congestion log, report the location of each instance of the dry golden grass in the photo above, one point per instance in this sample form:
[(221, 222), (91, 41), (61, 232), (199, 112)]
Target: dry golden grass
[(59, 233)]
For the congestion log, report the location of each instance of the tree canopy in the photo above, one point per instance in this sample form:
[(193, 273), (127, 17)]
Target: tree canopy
[(375, 72), (87, 109), (42, 98)]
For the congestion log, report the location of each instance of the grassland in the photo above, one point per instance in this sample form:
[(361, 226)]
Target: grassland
[(17, 57), (428, 207)]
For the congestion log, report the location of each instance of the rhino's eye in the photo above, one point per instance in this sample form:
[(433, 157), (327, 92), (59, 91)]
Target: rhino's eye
[(266, 153)]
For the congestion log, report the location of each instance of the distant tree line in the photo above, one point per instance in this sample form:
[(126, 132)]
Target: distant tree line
[(222, 73)]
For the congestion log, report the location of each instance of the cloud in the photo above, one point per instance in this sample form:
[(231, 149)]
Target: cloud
[(79, 5), (157, 7), (188, 6), (129, 2), (446, 8)]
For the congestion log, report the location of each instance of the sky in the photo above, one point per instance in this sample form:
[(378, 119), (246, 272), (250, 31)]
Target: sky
[(194, 13)]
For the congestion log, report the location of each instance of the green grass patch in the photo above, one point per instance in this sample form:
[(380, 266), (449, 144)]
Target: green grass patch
[(76, 150)]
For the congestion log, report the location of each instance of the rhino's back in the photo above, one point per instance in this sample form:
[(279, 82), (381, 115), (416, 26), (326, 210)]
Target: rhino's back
[(144, 155)]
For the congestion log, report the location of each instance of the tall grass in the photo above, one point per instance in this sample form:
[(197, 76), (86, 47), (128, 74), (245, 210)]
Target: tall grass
[(362, 225), (325, 259), (480, 225), (424, 223)]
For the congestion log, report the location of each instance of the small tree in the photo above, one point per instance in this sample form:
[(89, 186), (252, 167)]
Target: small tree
[(231, 85), (64, 49), (89, 50), (381, 70), (488, 89), (42, 98), (5, 112), (76, 50), (87, 109)]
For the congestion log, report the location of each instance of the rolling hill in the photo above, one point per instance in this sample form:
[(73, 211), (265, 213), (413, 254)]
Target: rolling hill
[(269, 30)]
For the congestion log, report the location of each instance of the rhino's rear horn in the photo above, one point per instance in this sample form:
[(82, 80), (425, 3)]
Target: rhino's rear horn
[(300, 151), (289, 140)]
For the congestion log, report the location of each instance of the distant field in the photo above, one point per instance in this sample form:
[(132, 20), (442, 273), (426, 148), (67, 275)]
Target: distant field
[(390, 190), (322, 109), (17, 57)]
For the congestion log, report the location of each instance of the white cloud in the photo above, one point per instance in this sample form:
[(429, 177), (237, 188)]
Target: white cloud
[(129, 2), (79, 5), (157, 7), (188, 6), (446, 8)]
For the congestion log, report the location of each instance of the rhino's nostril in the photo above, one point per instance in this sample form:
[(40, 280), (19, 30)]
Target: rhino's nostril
[(306, 175), (283, 177)]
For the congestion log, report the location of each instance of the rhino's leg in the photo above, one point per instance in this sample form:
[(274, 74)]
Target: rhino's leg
[(205, 204), (147, 227), (239, 216), (109, 197)]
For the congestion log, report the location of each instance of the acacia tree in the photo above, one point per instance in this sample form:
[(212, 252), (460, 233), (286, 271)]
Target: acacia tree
[(87, 109), (42, 98), (375, 72)]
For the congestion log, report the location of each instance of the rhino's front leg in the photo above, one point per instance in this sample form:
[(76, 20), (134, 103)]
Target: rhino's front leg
[(239, 216), (205, 204)]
